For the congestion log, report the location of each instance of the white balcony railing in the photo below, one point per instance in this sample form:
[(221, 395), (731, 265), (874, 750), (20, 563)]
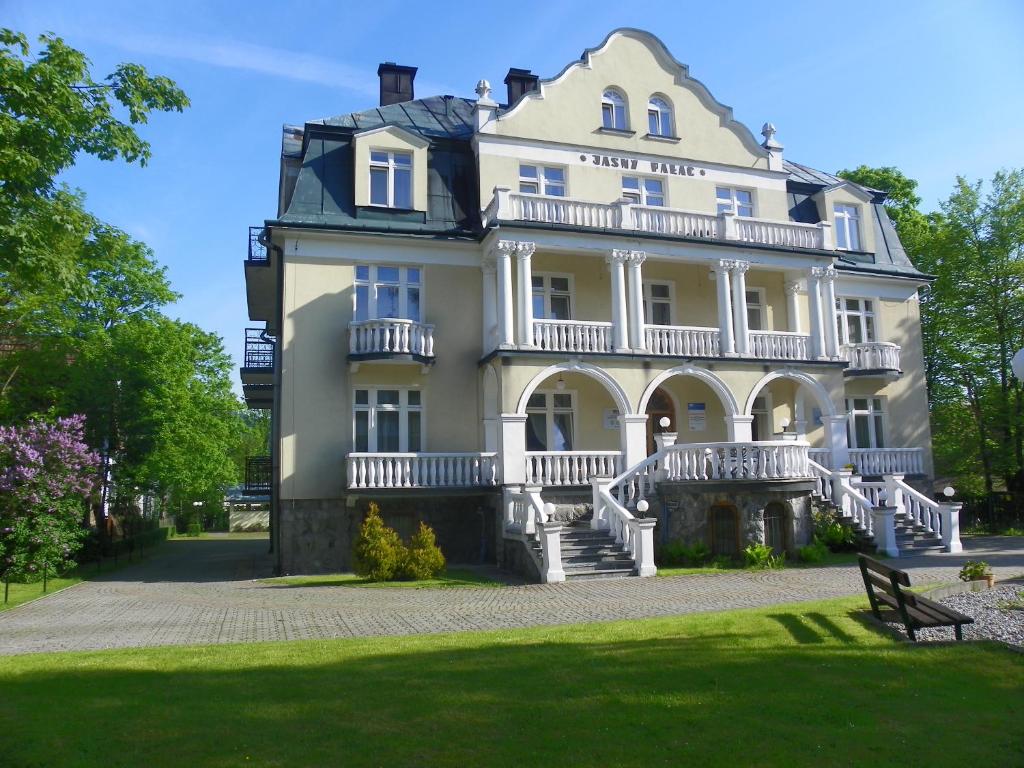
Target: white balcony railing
[(570, 467), (422, 470), (668, 221), (572, 336), (682, 340), (779, 345), (872, 356), (564, 210), (765, 460), (787, 234), (390, 335), (888, 461)]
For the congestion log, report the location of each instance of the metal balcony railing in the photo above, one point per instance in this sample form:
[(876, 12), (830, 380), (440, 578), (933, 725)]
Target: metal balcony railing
[(257, 474), (259, 349), (257, 250)]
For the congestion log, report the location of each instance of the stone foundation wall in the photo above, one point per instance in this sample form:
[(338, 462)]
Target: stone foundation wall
[(684, 513), (514, 556), (318, 535)]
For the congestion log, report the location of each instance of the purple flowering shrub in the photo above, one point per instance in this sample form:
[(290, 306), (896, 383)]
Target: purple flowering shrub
[(47, 474)]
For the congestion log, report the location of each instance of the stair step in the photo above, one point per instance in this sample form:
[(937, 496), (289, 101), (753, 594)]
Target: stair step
[(587, 576), (582, 568)]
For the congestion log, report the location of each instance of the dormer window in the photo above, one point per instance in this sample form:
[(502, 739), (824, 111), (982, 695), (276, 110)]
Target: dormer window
[(847, 227), (613, 111), (659, 117), (391, 179)]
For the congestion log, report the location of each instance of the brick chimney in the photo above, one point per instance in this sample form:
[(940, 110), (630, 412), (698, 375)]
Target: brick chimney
[(520, 81), (395, 83)]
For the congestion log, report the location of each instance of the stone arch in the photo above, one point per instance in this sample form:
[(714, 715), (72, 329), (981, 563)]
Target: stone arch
[(614, 389), (814, 386), (717, 385)]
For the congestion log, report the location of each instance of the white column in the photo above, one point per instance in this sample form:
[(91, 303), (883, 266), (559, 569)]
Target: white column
[(616, 260), (524, 280), (792, 305), (835, 438), (950, 514), (739, 429), (637, 336), (800, 415), (643, 538), (503, 262), (727, 344), (739, 306), (512, 456), (550, 535), (828, 308), (634, 439), (489, 282), (815, 320)]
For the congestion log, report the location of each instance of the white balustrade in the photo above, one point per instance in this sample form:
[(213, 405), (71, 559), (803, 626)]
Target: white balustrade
[(851, 503), (572, 336), (779, 345), (872, 356), (822, 477), (570, 467), (391, 335), (888, 461), (783, 233), (564, 210), (873, 491), (682, 340), (822, 456), (766, 460), (422, 470), (669, 221), (937, 518)]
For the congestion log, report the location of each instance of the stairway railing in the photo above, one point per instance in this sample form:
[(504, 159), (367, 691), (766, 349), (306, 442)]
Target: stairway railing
[(937, 518), (528, 515)]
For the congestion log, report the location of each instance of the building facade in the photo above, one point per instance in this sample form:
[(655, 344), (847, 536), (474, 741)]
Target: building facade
[(603, 298)]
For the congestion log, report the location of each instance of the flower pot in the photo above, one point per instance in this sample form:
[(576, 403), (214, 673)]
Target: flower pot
[(990, 580)]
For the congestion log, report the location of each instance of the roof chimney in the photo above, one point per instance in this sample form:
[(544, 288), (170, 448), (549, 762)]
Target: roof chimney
[(520, 81), (395, 83)]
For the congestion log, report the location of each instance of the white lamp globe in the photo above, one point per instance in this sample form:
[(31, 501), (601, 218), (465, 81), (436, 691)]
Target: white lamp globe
[(1017, 364), (664, 422), (948, 491), (642, 506), (784, 423)]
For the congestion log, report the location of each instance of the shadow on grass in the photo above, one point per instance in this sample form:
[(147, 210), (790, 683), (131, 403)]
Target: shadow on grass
[(698, 689)]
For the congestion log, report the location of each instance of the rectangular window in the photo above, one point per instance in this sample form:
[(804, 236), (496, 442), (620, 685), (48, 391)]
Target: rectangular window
[(643, 191), (847, 227), (756, 309), (550, 418), (542, 180), (658, 303), (383, 291), (552, 296), (741, 201), (391, 179), (761, 426), (866, 422), (387, 420), (856, 320)]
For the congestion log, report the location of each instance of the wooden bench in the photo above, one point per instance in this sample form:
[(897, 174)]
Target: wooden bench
[(885, 585)]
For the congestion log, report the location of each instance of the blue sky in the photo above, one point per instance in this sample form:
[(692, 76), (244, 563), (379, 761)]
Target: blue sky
[(930, 87)]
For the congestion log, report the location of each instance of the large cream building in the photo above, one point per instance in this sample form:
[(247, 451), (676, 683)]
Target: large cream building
[(604, 294)]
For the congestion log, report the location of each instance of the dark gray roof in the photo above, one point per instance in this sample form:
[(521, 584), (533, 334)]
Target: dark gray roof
[(435, 117)]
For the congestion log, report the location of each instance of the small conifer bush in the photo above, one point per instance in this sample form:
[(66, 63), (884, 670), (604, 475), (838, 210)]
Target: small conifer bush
[(379, 551), (423, 558)]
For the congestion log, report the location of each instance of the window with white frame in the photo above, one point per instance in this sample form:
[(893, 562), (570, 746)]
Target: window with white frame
[(542, 180), (387, 292), (550, 418), (847, 226), (390, 179), (387, 420), (643, 191), (756, 320), (552, 296), (866, 422), (856, 320), (659, 117), (613, 110), (658, 302), (741, 201), (761, 427)]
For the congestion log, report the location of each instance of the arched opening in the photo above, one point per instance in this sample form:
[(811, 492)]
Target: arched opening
[(661, 406), (702, 402), (775, 516), (790, 405), (724, 522)]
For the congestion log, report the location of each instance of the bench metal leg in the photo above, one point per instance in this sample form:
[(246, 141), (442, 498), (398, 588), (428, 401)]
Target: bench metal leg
[(958, 632)]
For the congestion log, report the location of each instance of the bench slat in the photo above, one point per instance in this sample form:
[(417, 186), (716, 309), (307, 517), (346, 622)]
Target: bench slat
[(949, 613), (880, 583), (871, 564)]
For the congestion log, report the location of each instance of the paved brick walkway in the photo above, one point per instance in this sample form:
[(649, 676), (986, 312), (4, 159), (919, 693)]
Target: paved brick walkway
[(196, 592)]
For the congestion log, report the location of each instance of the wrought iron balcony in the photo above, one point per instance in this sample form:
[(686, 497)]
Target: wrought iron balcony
[(259, 350), (257, 474), (257, 248)]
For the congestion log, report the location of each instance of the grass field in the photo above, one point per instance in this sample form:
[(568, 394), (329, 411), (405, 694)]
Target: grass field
[(454, 577), (788, 686), (832, 558)]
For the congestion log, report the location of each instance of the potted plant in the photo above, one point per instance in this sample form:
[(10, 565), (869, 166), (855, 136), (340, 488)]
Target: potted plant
[(977, 570)]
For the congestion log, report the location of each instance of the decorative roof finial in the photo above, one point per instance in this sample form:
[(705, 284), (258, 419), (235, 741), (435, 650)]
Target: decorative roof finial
[(768, 131), (483, 90)]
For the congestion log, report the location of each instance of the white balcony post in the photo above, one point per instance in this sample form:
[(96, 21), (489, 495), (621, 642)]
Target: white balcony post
[(894, 493), (503, 261), (489, 281), (828, 300), (524, 278), (950, 515), (739, 429), (512, 456), (792, 305), (836, 439), (815, 320), (503, 196), (664, 440), (727, 344), (826, 236), (739, 306), (727, 225), (883, 526), (625, 206), (597, 484), (643, 538), (551, 550), (637, 335), (634, 438), (616, 259)]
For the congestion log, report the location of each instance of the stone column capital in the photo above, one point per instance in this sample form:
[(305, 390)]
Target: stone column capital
[(618, 256), (824, 273), (636, 258), (525, 250), (792, 287)]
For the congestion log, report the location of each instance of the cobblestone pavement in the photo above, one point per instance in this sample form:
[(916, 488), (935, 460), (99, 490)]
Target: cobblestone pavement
[(205, 591)]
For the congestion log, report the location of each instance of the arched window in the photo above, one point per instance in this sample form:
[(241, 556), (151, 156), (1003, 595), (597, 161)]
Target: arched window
[(775, 527), (659, 117), (613, 110), (725, 530)]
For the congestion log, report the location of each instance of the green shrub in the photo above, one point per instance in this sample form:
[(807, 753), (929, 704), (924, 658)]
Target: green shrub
[(832, 533), (423, 558), (760, 557), (975, 570), (720, 561), (813, 553), (675, 553), (194, 529), (379, 552)]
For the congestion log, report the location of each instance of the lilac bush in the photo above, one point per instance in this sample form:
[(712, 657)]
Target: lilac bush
[(47, 474)]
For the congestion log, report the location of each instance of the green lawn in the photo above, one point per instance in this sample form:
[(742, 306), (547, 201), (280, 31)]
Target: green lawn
[(832, 558), (789, 686), (454, 577)]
